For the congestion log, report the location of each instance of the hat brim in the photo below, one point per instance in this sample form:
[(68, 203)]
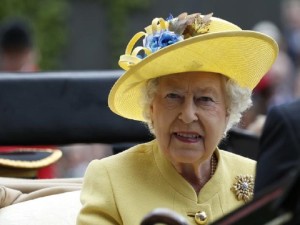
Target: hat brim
[(244, 56), (29, 158)]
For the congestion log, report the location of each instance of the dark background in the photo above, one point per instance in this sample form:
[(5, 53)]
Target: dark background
[(88, 23)]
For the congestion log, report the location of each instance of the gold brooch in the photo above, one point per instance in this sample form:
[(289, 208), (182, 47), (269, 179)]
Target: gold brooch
[(243, 187)]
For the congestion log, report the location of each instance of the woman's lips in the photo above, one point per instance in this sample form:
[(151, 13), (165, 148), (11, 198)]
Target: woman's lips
[(188, 137)]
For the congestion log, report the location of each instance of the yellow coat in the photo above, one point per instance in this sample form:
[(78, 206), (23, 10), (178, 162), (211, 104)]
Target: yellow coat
[(123, 188)]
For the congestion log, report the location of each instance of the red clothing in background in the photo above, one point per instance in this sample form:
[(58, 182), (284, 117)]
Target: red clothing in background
[(43, 173)]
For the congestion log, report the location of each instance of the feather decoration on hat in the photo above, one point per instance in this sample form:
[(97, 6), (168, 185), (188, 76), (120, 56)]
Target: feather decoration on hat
[(179, 24), (190, 25)]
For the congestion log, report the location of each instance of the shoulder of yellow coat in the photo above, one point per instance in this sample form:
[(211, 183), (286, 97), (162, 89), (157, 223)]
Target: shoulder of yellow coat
[(238, 161)]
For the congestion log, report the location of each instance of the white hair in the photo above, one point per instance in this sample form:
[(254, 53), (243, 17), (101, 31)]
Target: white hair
[(238, 99)]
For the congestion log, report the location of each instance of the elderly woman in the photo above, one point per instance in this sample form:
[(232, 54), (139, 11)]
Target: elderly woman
[(190, 81)]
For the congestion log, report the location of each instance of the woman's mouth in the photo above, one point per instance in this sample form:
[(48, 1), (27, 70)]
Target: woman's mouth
[(187, 137)]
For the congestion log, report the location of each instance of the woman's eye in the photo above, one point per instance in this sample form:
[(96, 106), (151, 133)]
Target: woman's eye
[(172, 96), (206, 99), (173, 99)]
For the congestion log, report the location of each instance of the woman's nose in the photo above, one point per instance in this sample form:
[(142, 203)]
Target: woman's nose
[(188, 113)]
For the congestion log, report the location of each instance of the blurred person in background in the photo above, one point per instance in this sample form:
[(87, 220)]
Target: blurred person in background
[(18, 54), (17, 49), (276, 87), (279, 145), (290, 17)]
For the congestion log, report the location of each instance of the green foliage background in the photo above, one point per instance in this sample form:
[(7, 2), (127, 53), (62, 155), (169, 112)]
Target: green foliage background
[(47, 20), (118, 12)]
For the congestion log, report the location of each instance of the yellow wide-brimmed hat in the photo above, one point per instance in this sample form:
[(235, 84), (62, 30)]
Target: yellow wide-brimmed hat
[(189, 43)]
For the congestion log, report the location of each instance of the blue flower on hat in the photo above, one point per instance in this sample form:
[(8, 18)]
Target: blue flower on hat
[(169, 38), (161, 39), (170, 17), (162, 33)]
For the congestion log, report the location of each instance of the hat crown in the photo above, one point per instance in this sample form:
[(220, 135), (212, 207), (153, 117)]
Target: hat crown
[(162, 33), (215, 25), (220, 25)]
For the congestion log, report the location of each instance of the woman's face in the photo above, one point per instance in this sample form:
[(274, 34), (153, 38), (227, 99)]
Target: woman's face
[(189, 115)]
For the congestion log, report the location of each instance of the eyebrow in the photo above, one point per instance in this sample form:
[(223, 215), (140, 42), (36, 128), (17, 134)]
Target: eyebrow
[(207, 90), (174, 85)]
